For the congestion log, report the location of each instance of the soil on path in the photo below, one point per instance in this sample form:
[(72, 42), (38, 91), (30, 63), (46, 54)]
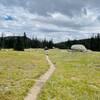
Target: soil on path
[(35, 90)]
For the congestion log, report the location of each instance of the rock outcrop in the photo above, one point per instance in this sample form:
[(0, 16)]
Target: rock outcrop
[(78, 47)]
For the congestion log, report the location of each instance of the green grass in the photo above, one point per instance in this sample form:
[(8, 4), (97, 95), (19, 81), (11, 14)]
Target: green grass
[(77, 76), (18, 71)]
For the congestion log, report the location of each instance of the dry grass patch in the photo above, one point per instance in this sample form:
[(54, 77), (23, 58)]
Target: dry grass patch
[(75, 77), (18, 71)]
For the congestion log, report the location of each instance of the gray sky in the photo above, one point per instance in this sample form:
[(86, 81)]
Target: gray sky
[(57, 19)]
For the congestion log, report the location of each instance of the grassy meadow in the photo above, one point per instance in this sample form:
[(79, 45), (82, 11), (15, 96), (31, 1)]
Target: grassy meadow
[(18, 71), (77, 76)]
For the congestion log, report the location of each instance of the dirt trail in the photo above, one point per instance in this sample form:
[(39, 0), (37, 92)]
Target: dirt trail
[(35, 90)]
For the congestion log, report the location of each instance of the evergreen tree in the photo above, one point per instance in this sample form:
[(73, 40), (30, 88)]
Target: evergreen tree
[(98, 42), (0, 44), (25, 40), (69, 44), (2, 41), (50, 44), (19, 45)]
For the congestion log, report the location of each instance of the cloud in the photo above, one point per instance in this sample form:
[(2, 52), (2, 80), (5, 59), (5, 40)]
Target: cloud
[(58, 19)]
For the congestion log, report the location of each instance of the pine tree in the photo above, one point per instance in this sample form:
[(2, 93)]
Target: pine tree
[(98, 42), (50, 44), (2, 41), (19, 45), (25, 40), (0, 44)]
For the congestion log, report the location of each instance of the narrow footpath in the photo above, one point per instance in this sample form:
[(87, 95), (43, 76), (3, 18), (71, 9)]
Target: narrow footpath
[(35, 90)]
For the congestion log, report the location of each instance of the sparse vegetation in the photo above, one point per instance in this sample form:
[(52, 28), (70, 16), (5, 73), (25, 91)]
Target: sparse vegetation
[(77, 76), (18, 71)]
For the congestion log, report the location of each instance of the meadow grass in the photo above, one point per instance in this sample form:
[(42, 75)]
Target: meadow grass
[(77, 76), (18, 71)]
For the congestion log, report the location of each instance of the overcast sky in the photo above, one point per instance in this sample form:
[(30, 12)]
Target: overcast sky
[(57, 19)]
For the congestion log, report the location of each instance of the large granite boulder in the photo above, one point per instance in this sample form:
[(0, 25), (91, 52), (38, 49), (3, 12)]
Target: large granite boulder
[(78, 47)]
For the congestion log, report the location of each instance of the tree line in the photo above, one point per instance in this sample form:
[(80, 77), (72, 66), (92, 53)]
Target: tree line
[(20, 43), (23, 42), (92, 43)]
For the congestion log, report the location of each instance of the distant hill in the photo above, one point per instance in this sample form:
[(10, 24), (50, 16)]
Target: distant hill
[(23, 41), (92, 43), (9, 41)]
